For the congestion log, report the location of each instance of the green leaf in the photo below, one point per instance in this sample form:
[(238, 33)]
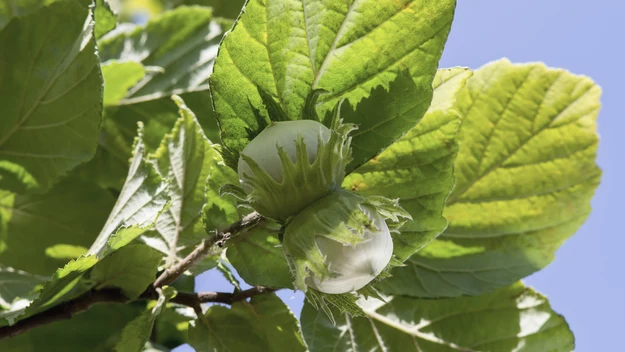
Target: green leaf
[(16, 285), (181, 44), (171, 327), (95, 330), (265, 321), (10, 9), (137, 332), (258, 257), (62, 286), (105, 18), (71, 213), (525, 175), (514, 318), (187, 157), (179, 63), (220, 330), (52, 89), (131, 268), (384, 117), (6, 204), (272, 319), (290, 48), (65, 251), (110, 164), (119, 78), (138, 206), (221, 8), (63, 280), (418, 168)]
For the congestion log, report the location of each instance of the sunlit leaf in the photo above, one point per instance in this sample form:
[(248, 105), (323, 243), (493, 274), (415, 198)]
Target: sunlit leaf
[(525, 174), (290, 48)]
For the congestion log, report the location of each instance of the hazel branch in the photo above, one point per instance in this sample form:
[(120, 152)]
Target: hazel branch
[(67, 310), (203, 249)]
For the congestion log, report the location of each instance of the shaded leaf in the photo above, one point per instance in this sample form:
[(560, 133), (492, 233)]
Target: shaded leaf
[(514, 318), (62, 286), (71, 213), (52, 89), (525, 175), (114, 269), (272, 319), (171, 327), (221, 8), (153, 347), (96, 330), (265, 321), (258, 257), (139, 204), (10, 9), (131, 268), (223, 332), (137, 333)]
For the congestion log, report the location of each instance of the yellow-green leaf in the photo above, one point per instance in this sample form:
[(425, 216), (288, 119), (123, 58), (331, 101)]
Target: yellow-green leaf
[(525, 175)]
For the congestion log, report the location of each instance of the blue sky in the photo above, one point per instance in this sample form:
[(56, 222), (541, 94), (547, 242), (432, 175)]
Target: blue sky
[(585, 282)]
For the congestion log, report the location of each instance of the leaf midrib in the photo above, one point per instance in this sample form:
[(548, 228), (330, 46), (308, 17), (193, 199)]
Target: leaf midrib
[(344, 91), (413, 332), (337, 37)]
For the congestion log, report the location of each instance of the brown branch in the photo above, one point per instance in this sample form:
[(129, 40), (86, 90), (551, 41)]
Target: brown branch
[(202, 250), (67, 310), (63, 311), (191, 299)]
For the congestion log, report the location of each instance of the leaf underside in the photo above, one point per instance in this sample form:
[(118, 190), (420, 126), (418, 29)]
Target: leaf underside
[(525, 174)]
